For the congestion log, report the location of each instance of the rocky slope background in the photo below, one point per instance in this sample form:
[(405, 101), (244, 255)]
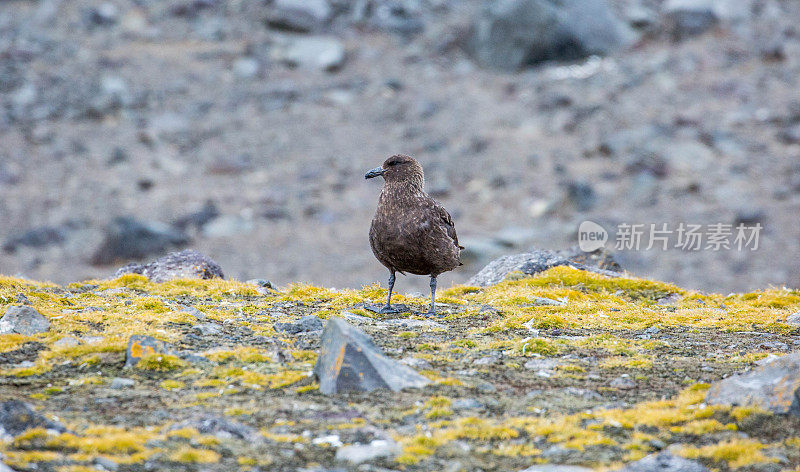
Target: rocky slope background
[(564, 370), (243, 129)]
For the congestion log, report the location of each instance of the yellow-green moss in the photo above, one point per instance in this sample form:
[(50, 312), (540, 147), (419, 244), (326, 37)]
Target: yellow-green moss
[(736, 452), (195, 456), (161, 362)]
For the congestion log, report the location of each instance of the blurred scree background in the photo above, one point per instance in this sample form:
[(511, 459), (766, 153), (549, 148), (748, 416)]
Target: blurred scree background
[(243, 129)]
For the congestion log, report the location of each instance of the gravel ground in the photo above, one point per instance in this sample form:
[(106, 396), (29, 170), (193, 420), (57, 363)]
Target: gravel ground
[(150, 109)]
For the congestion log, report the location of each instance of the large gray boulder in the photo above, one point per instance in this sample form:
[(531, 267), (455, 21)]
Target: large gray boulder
[(350, 362), (774, 386), (186, 264), (540, 260), (23, 320), (512, 34), (664, 462)]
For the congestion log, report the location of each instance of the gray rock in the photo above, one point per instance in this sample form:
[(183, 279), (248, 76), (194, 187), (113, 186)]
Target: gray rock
[(790, 135), (350, 361), (299, 15), (487, 360), (352, 317), (416, 363), (199, 315), (140, 345), (199, 218), (120, 383), (542, 363), (110, 94), (467, 404), (106, 464), (774, 386), (376, 449), (104, 14), (303, 325), (187, 264), (581, 195), (640, 16), (17, 417), (23, 320), (128, 238), (397, 16), (543, 301), (623, 382), (41, 237), (664, 462), (794, 318), (5, 468), (92, 339), (66, 341), (511, 34), (263, 283), (530, 263), (315, 52), (687, 18), (218, 426), (207, 329)]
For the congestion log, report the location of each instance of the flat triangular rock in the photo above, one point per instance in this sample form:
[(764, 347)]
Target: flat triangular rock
[(774, 386), (350, 361)]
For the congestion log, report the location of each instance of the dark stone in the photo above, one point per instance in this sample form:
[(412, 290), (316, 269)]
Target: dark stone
[(118, 155), (790, 135), (16, 417), (263, 283), (511, 34), (687, 18), (128, 238), (749, 217), (186, 264), (199, 218), (539, 261), (191, 8), (23, 320), (301, 16), (104, 14), (600, 258), (349, 361), (774, 386), (581, 195), (396, 308), (664, 462), (304, 325), (38, 237), (140, 345)]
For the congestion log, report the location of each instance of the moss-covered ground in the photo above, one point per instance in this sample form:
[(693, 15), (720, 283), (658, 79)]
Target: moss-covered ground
[(612, 370)]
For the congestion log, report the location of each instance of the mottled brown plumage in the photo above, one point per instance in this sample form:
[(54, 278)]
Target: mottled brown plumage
[(411, 232)]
